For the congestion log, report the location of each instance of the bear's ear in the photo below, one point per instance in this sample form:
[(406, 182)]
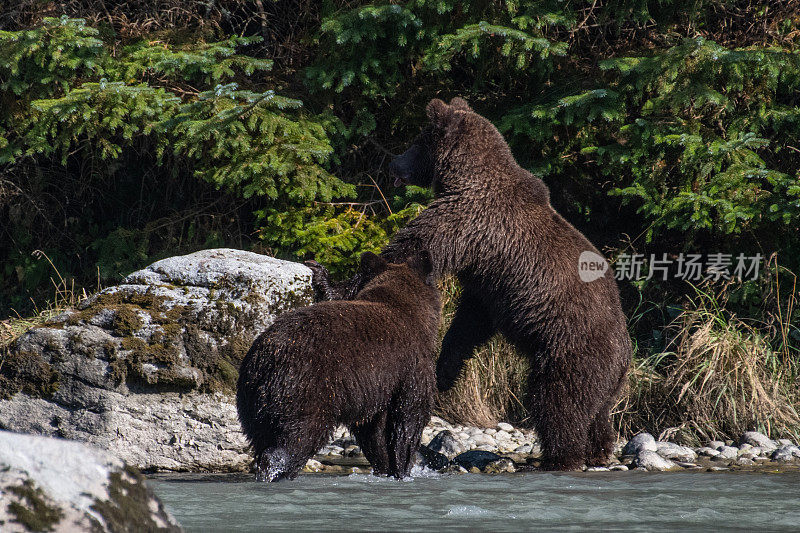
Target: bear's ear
[(443, 116), (460, 104), (421, 263), (372, 263), (438, 113)]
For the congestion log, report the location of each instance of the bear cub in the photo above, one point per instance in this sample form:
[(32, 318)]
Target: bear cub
[(367, 363)]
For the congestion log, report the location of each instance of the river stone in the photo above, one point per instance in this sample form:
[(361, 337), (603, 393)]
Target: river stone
[(639, 443), (431, 459), (676, 452), (500, 466), (727, 452), (148, 368), (475, 459), (481, 439), (756, 438), (716, 444), (54, 484), (786, 453), (504, 426), (650, 460), (447, 444), (707, 451)]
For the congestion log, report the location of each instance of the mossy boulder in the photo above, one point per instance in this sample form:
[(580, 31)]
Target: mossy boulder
[(148, 368), (57, 485)]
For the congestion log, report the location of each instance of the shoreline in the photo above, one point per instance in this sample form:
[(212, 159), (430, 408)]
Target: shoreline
[(453, 448)]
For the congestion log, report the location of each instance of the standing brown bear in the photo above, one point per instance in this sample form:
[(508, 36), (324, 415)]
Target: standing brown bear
[(492, 225), (366, 363)]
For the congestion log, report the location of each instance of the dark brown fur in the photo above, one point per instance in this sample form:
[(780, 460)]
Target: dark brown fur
[(492, 225), (366, 363)]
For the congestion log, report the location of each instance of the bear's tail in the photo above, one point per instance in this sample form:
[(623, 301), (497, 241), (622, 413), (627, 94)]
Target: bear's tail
[(274, 464)]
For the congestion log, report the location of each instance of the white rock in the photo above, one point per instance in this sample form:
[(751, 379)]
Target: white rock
[(639, 443), (670, 450), (756, 438), (708, 452), (75, 478), (200, 309), (652, 461), (727, 452), (505, 427)]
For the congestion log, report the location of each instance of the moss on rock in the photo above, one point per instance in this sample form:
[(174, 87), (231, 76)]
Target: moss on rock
[(32, 509), (129, 506), (28, 372)]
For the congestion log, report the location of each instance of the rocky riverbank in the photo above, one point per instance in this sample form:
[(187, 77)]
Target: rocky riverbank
[(449, 448), (148, 369)]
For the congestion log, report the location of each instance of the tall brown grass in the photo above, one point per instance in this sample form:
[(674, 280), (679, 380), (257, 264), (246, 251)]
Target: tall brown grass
[(492, 385), (718, 377)]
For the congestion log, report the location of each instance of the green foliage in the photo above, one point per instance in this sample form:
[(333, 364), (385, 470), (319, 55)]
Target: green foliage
[(658, 127), (77, 101)]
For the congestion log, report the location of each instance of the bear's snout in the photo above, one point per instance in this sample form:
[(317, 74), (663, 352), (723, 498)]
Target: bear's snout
[(400, 170)]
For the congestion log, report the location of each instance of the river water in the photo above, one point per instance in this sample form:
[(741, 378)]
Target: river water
[(630, 501)]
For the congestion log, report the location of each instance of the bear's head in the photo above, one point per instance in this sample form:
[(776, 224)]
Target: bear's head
[(373, 265), (417, 165)]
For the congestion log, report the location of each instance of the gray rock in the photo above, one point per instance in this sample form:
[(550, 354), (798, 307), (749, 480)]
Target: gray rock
[(525, 448), (640, 443), (727, 453), (716, 444), (650, 460), (447, 444), (481, 439), (755, 438), (676, 452), (745, 461), (432, 459), (148, 368), (784, 442), (707, 451), (475, 458), (68, 486), (786, 453), (500, 466)]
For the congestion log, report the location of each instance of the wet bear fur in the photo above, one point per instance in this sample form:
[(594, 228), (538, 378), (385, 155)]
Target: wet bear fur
[(367, 363), (491, 224)]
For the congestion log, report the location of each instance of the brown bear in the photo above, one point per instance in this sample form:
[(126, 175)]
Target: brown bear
[(367, 363), (492, 225)]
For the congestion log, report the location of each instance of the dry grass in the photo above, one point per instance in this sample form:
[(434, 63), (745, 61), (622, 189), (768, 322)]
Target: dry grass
[(64, 296), (491, 386), (718, 377)]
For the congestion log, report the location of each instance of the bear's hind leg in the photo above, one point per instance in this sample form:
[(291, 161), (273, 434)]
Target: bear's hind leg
[(371, 436), (471, 327), (410, 412), (561, 421), (601, 438)]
